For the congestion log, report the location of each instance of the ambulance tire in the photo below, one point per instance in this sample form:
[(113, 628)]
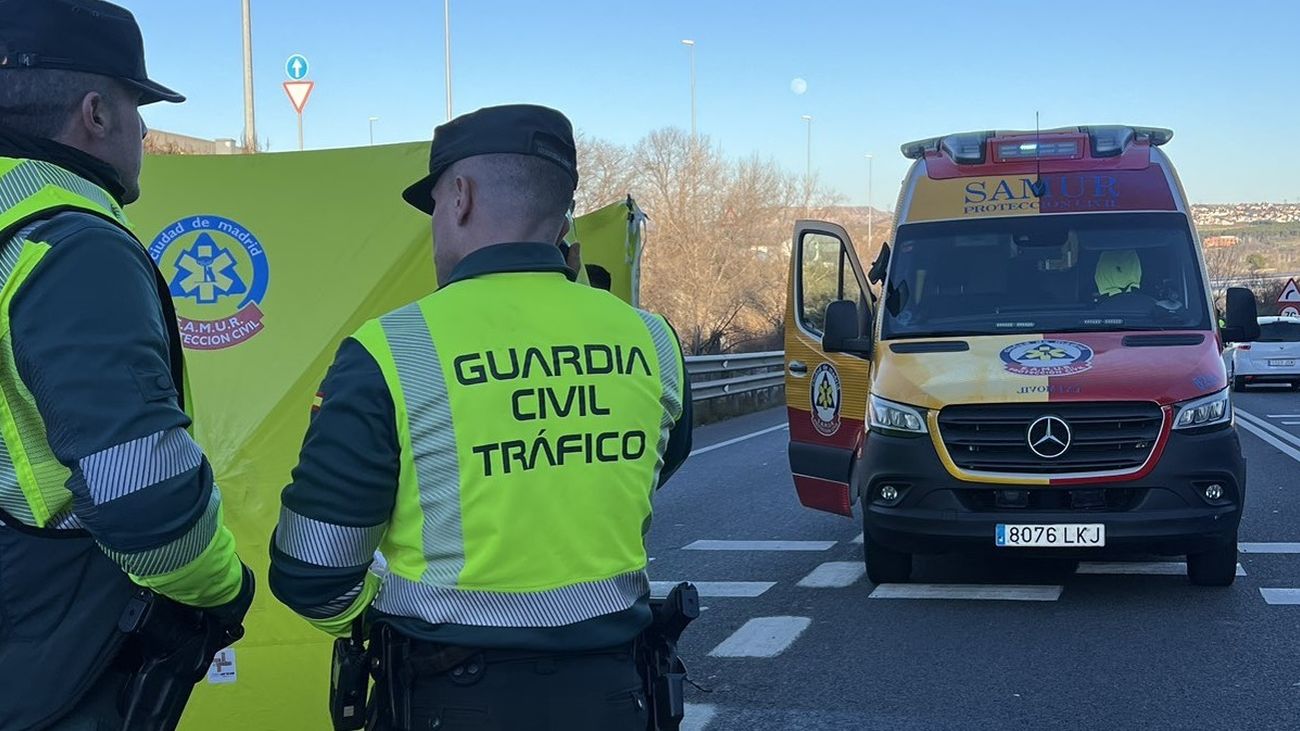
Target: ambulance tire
[(1239, 384), (1215, 567), (885, 565)]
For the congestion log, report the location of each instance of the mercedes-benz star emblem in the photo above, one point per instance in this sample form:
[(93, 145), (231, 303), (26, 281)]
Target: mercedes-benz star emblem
[(1049, 437)]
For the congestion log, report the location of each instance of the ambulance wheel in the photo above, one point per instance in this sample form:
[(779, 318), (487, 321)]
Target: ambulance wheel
[(885, 565), (1239, 384), (1215, 567)]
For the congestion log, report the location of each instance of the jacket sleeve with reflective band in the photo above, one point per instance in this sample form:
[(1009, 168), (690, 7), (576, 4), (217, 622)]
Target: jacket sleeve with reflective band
[(91, 346), (681, 436), (334, 513)]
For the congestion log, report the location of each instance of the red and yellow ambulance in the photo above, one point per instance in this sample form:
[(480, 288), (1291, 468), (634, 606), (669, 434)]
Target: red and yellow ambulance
[(1040, 371)]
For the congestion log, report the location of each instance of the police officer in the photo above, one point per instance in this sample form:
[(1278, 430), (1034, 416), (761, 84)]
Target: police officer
[(500, 442), (102, 489)]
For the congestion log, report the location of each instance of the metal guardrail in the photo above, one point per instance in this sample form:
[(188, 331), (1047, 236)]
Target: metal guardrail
[(715, 376)]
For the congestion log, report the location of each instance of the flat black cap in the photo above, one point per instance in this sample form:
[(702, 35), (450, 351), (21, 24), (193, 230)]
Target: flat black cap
[(521, 129), (90, 36)]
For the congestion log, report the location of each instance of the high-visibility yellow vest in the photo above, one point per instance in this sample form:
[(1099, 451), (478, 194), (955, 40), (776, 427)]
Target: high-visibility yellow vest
[(32, 481), (532, 417)]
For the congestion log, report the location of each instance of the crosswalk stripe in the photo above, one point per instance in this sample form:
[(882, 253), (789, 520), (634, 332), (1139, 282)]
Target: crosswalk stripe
[(1147, 568), (1269, 547), (698, 716), (834, 575), (762, 637), (759, 546), (747, 589), (859, 538), (1281, 596), (1023, 593)]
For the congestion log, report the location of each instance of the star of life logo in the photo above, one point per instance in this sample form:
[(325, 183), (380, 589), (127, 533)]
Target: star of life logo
[(218, 275)]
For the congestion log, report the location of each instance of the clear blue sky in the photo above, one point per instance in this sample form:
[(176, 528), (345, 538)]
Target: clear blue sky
[(1221, 74)]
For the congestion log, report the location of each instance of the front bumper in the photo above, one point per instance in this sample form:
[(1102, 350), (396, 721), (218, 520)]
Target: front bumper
[(1164, 512)]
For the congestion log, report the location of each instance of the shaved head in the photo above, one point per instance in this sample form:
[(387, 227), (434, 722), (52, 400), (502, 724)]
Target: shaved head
[(494, 199)]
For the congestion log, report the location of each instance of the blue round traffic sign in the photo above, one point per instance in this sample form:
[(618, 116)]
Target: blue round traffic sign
[(296, 67)]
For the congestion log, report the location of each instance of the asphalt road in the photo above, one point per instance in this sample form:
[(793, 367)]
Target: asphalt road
[(1053, 649)]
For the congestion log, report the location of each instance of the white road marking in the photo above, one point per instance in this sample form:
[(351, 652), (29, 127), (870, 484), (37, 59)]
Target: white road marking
[(834, 575), (1281, 596), (1021, 593), (1284, 416), (738, 440), (859, 538), (1285, 443), (698, 716), (762, 637), (747, 589), (1291, 423), (759, 546), (1144, 568), (1269, 547)]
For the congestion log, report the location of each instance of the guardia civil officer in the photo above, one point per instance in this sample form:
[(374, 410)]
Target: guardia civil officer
[(500, 442), (102, 490)]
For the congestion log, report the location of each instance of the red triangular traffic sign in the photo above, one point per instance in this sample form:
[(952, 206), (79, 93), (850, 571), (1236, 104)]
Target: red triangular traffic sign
[(299, 92), (1290, 293)]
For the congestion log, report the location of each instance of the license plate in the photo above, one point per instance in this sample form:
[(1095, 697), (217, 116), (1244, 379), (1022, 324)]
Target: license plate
[(1282, 363), (1058, 535)]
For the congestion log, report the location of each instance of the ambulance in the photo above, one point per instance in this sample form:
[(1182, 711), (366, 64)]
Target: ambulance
[(1032, 367)]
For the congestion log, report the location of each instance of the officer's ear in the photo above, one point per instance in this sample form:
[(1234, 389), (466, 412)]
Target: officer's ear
[(95, 115), (465, 188)]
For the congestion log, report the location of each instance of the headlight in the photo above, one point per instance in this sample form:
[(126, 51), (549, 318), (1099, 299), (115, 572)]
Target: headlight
[(892, 417), (1204, 411)]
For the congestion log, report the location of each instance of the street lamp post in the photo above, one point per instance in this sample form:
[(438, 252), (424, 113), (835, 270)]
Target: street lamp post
[(871, 213), (690, 44), (372, 129), (250, 118), (808, 163), (446, 44)]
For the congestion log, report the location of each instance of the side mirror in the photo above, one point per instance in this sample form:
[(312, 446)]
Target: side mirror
[(879, 266), (842, 334), (1243, 316)]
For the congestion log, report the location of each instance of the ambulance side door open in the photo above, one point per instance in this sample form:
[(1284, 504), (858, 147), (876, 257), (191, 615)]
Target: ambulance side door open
[(830, 308)]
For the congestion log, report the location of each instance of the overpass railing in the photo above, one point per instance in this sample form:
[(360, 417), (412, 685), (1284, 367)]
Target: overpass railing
[(716, 376)]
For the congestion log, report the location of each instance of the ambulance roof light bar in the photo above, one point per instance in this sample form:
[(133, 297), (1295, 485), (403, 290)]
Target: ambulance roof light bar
[(969, 148)]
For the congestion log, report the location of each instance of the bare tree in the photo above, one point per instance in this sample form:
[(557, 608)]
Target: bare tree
[(607, 171)]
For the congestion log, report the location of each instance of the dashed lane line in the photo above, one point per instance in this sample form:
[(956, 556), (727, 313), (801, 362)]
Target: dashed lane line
[(759, 546), (994, 592), (1268, 547), (698, 716), (762, 637), (1139, 568), (715, 589), (834, 575)]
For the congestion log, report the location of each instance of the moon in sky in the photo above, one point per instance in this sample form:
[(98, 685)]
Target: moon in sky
[(798, 86)]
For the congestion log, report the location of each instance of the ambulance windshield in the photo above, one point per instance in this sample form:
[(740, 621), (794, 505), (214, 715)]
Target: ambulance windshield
[(1045, 273)]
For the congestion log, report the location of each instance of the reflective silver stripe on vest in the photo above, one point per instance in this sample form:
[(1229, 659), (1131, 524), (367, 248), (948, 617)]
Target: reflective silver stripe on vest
[(666, 348), (553, 608), (327, 544), (31, 176), (12, 499), (433, 441)]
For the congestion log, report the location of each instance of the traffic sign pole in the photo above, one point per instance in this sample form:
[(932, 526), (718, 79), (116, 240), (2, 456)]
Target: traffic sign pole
[(299, 92), (298, 88)]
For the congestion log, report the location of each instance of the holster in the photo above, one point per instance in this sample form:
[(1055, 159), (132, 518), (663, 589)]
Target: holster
[(171, 647)]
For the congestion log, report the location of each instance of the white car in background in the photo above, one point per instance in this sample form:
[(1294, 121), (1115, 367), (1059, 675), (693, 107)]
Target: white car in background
[(1273, 358)]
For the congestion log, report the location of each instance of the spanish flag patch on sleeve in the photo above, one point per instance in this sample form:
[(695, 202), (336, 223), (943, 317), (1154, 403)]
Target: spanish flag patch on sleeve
[(316, 401)]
